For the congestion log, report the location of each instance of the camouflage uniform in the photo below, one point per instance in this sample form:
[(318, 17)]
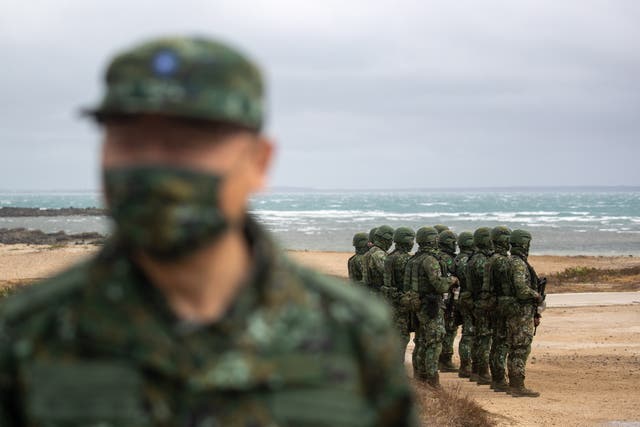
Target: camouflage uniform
[(424, 274), (99, 345), (354, 264), (446, 254), (519, 307), (465, 304), (481, 313), (496, 274), (394, 287), (373, 260)]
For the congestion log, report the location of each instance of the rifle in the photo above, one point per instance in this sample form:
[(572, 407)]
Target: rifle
[(449, 310), (542, 286)]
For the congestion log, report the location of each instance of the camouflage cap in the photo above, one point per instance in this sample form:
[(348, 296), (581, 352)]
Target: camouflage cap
[(440, 228), (482, 238), (520, 238), (404, 235), (360, 239), (465, 240), (426, 235), (184, 77)]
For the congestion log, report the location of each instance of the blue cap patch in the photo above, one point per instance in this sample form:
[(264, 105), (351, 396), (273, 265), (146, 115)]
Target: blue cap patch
[(165, 63)]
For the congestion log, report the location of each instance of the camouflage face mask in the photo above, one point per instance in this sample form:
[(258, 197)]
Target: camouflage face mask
[(162, 211)]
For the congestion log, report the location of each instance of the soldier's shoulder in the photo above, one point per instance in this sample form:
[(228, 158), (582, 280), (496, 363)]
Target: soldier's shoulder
[(46, 295), (341, 296)]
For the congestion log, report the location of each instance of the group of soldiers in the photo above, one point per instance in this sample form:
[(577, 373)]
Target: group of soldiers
[(488, 287)]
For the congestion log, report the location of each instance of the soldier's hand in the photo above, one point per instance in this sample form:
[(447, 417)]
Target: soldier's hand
[(536, 320), (455, 283), (539, 299)]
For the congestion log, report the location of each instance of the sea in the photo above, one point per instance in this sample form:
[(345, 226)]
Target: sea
[(562, 221)]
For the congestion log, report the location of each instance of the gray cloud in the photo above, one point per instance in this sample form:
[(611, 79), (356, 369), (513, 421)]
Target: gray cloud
[(364, 94)]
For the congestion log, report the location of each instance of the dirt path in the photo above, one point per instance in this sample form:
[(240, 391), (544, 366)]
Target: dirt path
[(586, 363)]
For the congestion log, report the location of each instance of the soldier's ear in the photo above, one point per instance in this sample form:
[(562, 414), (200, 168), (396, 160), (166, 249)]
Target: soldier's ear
[(262, 157)]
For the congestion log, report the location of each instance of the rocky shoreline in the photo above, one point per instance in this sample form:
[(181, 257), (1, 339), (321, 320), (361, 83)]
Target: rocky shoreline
[(8, 211), (13, 236)]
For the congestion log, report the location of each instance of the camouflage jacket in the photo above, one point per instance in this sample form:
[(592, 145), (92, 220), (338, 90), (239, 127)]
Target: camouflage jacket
[(524, 280), (460, 262), (423, 274), (354, 266), (373, 268), (475, 272), (97, 345), (394, 267), (497, 275)]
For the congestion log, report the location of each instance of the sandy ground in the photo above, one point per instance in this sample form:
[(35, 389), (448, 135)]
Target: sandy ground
[(585, 360)]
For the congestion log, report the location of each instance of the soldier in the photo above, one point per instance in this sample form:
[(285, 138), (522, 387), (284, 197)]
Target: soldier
[(190, 314), (440, 228), (520, 301), (424, 273), (354, 264), (394, 288), (373, 260), (496, 276), (465, 303), (481, 313), (446, 254)]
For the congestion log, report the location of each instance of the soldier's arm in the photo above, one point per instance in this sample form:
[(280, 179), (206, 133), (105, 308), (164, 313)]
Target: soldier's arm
[(486, 290), (434, 275), (365, 275), (388, 272), (521, 284), (378, 258)]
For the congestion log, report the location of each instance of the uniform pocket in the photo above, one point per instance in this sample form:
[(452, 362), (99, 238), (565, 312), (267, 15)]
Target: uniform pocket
[(83, 393)]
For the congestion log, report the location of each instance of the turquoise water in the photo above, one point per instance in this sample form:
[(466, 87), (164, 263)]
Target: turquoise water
[(566, 222)]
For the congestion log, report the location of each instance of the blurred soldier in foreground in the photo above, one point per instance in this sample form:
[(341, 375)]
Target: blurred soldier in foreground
[(496, 277), (424, 274), (373, 260), (190, 315), (394, 288), (481, 311), (446, 254), (465, 303), (354, 264), (520, 312)]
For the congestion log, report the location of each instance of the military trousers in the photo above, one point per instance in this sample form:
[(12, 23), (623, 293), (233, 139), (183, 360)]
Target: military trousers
[(429, 346), (451, 330), (519, 337), (499, 348), (482, 340)]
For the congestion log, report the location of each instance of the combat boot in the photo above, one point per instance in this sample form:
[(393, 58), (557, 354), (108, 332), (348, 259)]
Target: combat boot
[(473, 377), (500, 386), (483, 376), (445, 364), (465, 369), (433, 381), (517, 388)]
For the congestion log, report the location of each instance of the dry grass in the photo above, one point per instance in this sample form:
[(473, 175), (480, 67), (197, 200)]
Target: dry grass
[(589, 279), (449, 406), (8, 287)]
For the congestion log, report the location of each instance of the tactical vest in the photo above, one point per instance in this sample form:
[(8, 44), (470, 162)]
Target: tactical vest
[(460, 262), (417, 276), (394, 267), (375, 277), (475, 273)]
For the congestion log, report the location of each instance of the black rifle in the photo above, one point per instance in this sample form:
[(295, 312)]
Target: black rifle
[(542, 287)]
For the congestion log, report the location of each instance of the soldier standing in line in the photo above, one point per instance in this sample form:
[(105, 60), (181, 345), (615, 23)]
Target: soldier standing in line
[(481, 312), (373, 260), (496, 276), (394, 287), (354, 264), (446, 255), (424, 273), (190, 315), (465, 303), (520, 311), (372, 234)]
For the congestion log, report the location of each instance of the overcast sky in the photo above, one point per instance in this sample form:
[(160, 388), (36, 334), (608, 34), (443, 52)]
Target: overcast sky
[(362, 94)]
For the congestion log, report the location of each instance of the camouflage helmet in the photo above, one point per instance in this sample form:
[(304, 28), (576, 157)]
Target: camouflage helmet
[(372, 233), (500, 236), (184, 77), (465, 240), (520, 238), (440, 228), (360, 240), (447, 240), (384, 232), (404, 235), (427, 236), (482, 238)]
